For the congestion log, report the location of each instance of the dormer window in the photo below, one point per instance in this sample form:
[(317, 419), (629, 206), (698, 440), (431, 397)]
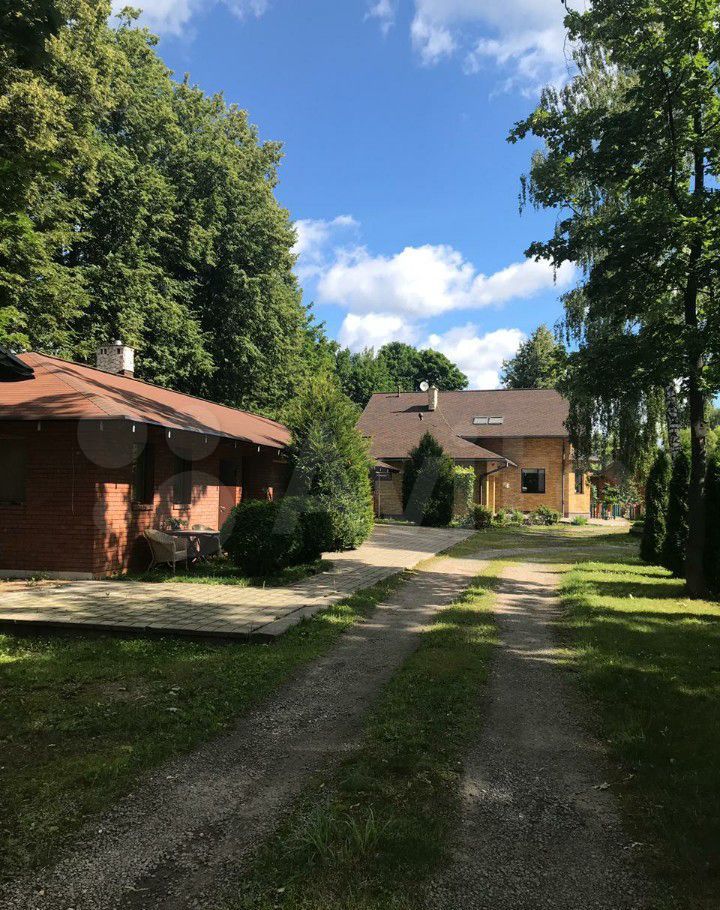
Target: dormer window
[(485, 421)]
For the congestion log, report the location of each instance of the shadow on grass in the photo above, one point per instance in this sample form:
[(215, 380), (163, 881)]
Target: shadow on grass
[(650, 664)]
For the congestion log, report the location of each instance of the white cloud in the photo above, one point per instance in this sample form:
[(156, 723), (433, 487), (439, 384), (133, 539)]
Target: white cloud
[(373, 330), (317, 240), (170, 17), (425, 281), (524, 37), (478, 356), (384, 11)]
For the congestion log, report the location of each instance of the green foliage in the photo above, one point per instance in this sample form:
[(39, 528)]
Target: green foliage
[(482, 518), (631, 160), (464, 482), (538, 364), (263, 537), (674, 549), (136, 207), (580, 520), (656, 505), (712, 542), (502, 518), (331, 466), (544, 515), (428, 489), (395, 366), (362, 374)]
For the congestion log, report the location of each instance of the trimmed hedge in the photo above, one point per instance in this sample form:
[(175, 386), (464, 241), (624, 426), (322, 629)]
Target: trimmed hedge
[(263, 537)]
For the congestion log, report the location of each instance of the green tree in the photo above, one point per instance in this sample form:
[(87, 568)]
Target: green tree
[(407, 367), (675, 546), (656, 505), (712, 546), (56, 62), (362, 374), (428, 488), (538, 364), (631, 159), (330, 462)]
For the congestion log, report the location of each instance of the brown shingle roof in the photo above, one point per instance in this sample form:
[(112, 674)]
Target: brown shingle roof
[(394, 425), (61, 390)]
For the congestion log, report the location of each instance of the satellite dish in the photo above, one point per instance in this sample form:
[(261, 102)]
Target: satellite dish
[(424, 385)]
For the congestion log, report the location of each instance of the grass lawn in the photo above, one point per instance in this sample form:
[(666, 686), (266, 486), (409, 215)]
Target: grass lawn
[(83, 718), (649, 660), (220, 571), (370, 835)]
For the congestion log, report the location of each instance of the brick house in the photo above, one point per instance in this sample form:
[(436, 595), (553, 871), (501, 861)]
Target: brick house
[(90, 458), (515, 440)]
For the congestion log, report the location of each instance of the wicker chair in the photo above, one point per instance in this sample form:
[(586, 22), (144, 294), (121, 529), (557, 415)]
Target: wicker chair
[(166, 549)]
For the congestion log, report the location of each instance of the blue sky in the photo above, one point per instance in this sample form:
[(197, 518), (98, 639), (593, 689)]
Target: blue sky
[(393, 115)]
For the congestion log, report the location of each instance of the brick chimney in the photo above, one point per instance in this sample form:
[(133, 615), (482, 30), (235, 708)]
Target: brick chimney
[(116, 358), (432, 398)]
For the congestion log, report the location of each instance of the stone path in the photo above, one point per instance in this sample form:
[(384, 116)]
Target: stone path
[(540, 827), (182, 839), (227, 611)]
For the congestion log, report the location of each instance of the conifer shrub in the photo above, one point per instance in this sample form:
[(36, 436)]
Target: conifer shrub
[(674, 547), (712, 539), (429, 484), (656, 505)]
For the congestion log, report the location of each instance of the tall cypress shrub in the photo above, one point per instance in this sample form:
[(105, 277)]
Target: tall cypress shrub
[(712, 541), (656, 504), (330, 462), (674, 549), (429, 484)]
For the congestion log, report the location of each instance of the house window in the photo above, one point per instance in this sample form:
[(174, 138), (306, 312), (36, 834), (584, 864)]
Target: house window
[(182, 481), (13, 469), (143, 477), (579, 482), (533, 480)]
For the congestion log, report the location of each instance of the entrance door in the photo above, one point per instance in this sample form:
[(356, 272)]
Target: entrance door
[(230, 488)]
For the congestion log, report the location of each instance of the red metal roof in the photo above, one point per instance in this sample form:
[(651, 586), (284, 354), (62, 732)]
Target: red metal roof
[(62, 390)]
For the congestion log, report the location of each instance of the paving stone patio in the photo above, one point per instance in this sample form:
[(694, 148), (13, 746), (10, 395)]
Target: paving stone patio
[(224, 611)]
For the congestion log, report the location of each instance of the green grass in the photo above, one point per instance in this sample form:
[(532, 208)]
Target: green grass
[(83, 718), (220, 571), (530, 536), (649, 660), (370, 835)]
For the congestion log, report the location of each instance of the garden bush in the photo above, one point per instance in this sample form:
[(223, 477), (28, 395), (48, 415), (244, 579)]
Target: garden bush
[(482, 518), (544, 516), (579, 520), (330, 462), (676, 530), (712, 540), (502, 517), (464, 481), (429, 484), (263, 537), (656, 504)]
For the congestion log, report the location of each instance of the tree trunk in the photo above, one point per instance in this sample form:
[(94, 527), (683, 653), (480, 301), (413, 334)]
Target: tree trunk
[(672, 418)]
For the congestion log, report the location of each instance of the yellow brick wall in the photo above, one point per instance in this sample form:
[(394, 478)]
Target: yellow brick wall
[(503, 490)]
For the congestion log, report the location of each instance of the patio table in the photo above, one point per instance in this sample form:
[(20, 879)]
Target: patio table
[(198, 540)]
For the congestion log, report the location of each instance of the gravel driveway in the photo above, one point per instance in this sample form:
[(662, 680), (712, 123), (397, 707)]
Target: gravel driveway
[(540, 827), (183, 837)]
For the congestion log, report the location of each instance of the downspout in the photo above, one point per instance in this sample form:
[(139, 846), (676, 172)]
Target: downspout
[(562, 483)]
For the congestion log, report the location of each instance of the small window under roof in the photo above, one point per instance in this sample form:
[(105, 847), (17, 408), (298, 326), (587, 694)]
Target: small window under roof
[(493, 421)]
